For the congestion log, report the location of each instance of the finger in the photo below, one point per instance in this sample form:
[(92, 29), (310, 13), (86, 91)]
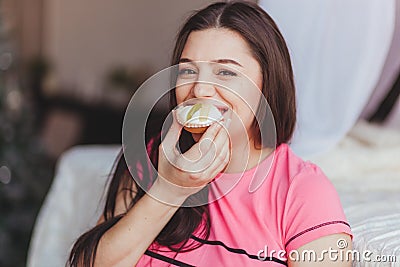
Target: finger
[(208, 162), (204, 144), (172, 136), (211, 132), (225, 160), (214, 155), (218, 164), (220, 141)]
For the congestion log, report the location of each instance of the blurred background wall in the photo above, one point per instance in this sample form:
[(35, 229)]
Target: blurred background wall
[(86, 39)]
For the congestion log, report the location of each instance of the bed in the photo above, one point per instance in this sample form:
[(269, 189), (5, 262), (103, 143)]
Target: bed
[(364, 167)]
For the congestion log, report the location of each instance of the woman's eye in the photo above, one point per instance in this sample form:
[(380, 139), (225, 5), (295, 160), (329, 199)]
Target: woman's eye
[(227, 73), (184, 72)]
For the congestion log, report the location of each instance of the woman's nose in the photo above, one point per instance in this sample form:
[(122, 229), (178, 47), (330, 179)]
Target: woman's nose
[(203, 89)]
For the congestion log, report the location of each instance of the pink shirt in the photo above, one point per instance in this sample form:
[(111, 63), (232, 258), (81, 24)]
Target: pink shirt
[(295, 204)]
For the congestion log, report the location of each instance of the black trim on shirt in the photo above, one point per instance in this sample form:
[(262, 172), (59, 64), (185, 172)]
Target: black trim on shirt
[(167, 259), (313, 228), (237, 250)]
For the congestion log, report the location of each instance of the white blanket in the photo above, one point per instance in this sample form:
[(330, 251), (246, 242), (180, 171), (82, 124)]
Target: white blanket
[(365, 169)]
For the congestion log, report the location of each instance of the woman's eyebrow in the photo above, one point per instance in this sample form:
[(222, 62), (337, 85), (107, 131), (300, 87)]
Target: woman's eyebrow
[(185, 60), (227, 61), (221, 61)]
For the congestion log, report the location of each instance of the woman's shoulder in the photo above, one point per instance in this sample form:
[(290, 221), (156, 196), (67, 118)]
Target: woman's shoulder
[(307, 201), (294, 177), (294, 166)]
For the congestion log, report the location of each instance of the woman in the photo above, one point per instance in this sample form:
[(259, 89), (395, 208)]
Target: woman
[(294, 209)]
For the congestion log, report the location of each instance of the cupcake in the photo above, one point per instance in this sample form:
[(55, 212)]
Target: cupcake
[(198, 117)]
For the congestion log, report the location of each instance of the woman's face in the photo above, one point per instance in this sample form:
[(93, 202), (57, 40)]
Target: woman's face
[(217, 64)]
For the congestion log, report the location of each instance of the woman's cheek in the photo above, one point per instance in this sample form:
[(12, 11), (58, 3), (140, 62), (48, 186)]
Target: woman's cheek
[(240, 123), (182, 93)]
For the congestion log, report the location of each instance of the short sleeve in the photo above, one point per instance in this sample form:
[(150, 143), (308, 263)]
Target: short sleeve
[(312, 209)]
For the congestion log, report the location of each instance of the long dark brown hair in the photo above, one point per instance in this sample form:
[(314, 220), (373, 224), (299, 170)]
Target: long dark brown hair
[(269, 49)]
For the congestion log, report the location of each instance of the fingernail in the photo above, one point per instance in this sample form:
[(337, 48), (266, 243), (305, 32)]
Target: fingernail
[(216, 124)]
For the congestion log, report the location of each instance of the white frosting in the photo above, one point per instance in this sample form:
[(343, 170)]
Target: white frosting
[(213, 115)]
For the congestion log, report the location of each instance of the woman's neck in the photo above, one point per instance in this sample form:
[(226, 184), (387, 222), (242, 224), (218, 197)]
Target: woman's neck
[(245, 156)]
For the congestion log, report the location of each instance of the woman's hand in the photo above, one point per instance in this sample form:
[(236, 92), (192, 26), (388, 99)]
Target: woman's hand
[(185, 174)]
